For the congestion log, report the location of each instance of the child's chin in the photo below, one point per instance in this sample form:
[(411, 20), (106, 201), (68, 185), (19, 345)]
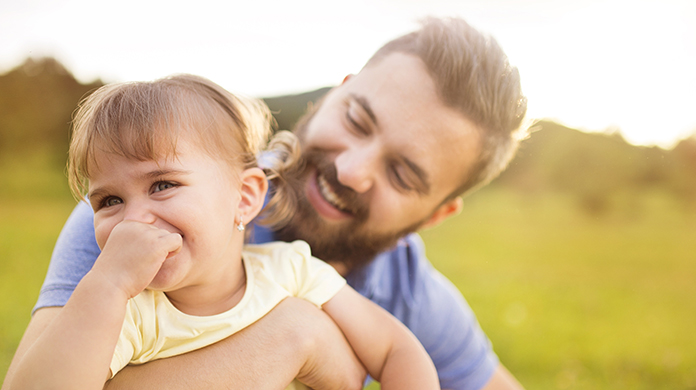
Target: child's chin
[(166, 278)]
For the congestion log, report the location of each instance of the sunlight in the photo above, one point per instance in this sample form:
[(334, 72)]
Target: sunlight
[(592, 65)]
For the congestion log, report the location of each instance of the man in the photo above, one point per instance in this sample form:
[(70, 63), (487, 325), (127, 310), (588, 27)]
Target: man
[(432, 115)]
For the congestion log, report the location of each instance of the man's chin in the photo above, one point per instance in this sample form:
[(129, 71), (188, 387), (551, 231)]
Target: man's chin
[(335, 242)]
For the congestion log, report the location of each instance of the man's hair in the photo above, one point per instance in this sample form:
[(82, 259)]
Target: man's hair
[(473, 76)]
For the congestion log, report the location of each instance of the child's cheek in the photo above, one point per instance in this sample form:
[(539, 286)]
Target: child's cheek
[(102, 230)]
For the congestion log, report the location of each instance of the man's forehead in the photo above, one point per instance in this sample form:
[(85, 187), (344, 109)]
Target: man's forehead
[(396, 74)]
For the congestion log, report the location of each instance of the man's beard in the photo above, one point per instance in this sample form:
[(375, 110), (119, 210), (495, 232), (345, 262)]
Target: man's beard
[(349, 243)]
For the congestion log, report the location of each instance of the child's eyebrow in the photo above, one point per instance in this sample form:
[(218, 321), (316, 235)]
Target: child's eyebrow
[(95, 194), (164, 172)]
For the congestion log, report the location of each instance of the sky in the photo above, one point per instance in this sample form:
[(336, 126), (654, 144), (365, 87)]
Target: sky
[(594, 65)]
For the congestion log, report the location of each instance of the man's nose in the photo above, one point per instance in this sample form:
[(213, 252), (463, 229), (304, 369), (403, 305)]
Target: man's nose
[(357, 168)]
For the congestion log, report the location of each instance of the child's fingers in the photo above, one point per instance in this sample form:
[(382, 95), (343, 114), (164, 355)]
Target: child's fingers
[(173, 243), (134, 253)]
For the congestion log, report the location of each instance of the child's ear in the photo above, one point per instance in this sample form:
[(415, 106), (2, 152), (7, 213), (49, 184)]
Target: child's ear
[(253, 193)]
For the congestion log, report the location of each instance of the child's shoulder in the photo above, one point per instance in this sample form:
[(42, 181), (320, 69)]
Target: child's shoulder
[(295, 256), (291, 266), (279, 249)]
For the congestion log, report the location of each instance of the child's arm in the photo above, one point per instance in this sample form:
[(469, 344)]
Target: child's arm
[(75, 350), (389, 351)]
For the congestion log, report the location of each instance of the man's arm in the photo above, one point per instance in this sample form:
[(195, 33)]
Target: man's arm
[(404, 282), (502, 379), (294, 340), (390, 352)]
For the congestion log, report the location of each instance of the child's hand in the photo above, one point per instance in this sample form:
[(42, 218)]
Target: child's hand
[(134, 253)]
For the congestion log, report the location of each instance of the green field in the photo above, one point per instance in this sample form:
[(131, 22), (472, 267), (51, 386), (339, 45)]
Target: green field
[(577, 302), (569, 300)]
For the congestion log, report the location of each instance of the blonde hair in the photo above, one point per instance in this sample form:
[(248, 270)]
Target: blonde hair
[(472, 75), (144, 120)]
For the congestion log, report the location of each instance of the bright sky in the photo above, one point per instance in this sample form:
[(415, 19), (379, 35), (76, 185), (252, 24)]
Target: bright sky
[(593, 64)]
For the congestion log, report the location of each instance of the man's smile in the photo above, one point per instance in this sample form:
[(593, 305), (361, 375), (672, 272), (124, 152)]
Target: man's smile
[(329, 195), (324, 199)]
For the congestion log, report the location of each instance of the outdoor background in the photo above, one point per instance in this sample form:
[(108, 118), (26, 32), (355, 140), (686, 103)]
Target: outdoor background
[(579, 261)]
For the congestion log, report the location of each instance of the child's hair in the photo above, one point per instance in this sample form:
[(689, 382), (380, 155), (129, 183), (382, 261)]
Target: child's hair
[(143, 121)]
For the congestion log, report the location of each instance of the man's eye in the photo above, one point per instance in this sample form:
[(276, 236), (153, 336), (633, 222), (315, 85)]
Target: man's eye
[(398, 179), (355, 124), (162, 185), (356, 117)]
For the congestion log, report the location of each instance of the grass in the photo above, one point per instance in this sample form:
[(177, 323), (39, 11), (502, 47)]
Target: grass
[(28, 231), (34, 204), (572, 301), (569, 300)]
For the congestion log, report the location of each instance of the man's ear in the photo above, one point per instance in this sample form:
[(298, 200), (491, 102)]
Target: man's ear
[(449, 209), (253, 193), (346, 79)]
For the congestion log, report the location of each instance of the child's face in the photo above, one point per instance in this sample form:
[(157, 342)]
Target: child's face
[(192, 195)]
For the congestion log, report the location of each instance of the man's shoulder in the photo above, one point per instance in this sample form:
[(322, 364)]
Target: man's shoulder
[(398, 273), (407, 257)]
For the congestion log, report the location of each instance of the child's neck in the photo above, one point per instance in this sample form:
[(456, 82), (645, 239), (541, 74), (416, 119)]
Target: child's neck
[(212, 298)]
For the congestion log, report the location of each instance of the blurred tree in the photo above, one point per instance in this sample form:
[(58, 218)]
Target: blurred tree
[(685, 170), (597, 167), (36, 103), (288, 109), (37, 100)]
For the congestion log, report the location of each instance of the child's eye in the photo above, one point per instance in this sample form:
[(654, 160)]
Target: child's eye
[(162, 185), (111, 201)]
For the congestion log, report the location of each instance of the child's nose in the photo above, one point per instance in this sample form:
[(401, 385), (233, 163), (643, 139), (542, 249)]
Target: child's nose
[(140, 213)]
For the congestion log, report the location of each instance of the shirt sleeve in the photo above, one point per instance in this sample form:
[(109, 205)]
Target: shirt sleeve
[(449, 330), (307, 277), (404, 283), (129, 342), (73, 256)]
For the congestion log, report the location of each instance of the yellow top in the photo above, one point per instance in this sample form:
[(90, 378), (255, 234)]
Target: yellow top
[(155, 329)]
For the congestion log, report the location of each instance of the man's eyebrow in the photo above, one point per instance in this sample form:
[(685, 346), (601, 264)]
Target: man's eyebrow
[(423, 184), (365, 104)]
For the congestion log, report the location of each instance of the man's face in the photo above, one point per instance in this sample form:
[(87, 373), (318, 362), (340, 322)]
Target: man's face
[(383, 153)]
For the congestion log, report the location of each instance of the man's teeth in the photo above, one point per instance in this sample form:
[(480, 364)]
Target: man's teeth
[(329, 195)]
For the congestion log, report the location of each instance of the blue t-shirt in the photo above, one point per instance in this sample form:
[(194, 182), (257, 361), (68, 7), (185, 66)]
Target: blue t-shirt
[(400, 280)]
